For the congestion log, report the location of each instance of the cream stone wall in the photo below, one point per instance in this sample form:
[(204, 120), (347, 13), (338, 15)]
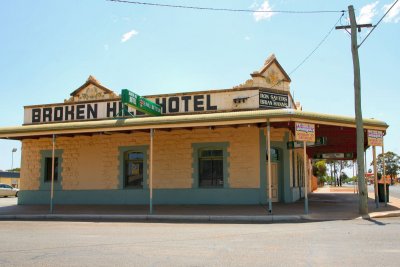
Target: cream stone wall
[(173, 154), (30, 162), (92, 162)]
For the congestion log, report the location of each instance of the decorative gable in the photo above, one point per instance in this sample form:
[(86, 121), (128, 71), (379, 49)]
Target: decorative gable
[(270, 76), (91, 90)]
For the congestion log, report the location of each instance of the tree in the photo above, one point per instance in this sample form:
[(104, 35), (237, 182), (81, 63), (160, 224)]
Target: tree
[(392, 164), (344, 177), (319, 170), (14, 170), (332, 165), (343, 164)]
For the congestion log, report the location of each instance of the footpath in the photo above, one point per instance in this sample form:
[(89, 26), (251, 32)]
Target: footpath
[(325, 204)]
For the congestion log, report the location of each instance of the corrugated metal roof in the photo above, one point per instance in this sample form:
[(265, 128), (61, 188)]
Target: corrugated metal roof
[(193, 120)]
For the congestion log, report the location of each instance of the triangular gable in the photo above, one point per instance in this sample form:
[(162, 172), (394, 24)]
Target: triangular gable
[(273, 71), (270, 76), (91, 90)]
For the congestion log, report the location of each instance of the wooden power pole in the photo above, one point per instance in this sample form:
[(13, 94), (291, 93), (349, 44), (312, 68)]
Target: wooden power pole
[(362, 189)]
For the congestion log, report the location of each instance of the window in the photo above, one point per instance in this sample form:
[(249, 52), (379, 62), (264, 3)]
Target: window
[(133, 169), (45, 169), (48, 167), (274, 154), (211, 166)]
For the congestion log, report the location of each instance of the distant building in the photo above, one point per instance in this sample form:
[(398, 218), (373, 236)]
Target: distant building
[(10, 178)]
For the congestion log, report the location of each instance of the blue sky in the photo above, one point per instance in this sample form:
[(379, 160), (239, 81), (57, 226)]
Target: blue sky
[(49, 48)]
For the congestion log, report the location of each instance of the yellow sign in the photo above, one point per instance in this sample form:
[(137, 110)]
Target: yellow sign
[(375, 138), (305, 132)]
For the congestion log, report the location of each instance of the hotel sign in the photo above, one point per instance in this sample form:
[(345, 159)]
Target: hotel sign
[(140, 103), (375, 138), (272, 100), (180, 103), (305, 132)]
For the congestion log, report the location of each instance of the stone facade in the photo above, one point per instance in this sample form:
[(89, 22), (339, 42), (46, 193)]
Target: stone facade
[(92, 162)]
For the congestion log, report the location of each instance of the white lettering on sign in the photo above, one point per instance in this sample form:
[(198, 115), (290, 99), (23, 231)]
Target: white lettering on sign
[(271, 100)]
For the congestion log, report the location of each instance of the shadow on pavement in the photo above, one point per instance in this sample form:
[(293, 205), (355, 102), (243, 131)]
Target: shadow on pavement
[(324, 205)]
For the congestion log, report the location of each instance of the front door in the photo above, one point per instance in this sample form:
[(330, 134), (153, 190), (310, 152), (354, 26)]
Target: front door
[(274, 181)]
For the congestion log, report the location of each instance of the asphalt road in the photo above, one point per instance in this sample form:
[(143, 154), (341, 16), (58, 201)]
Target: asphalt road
[(394, 190), (346, 243)]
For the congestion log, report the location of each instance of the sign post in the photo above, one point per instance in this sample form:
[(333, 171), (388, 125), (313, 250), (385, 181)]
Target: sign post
[(52, 173), (375, 138), (151, 170), (384, 172), (142, 104), (269, 168), (305, 132)]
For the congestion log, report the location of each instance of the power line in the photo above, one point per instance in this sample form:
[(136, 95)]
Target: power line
[(310, 54), (226, 9), (377, 23), (316, 48)]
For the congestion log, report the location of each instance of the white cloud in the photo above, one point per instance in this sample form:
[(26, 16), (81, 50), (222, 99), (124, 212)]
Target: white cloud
[(367, 13), (265, 6), (106, 47), (128, 35), (247, 38), (394, 13)]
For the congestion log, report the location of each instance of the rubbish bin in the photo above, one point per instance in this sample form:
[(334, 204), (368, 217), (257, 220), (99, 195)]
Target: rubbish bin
[(381, 192)]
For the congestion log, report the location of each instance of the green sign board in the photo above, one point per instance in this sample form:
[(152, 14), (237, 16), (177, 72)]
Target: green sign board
[(319, 141), (139, 103)]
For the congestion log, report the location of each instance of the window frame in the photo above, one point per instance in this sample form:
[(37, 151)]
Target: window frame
[(46, 184), (196, 148), (121, 177), (126, 160), (277, 153), (47, 165), (211, 158)]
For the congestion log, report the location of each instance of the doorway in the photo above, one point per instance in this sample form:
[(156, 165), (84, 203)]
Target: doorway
[(274, 181)]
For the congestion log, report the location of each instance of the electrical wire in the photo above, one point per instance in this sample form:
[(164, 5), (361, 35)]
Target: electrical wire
[(377, 24), (341, 24), (226, 9), (251, 11), (309, 55), (316, 48)]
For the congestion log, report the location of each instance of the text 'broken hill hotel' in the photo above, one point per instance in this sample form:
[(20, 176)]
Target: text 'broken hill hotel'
[(208, 147)]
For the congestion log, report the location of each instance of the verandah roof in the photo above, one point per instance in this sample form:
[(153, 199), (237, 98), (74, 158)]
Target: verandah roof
[(183, 121)]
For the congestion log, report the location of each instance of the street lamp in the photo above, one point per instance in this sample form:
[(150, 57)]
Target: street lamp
[(12, 158)]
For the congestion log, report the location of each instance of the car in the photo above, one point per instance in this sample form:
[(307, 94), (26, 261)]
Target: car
[(7, 190)]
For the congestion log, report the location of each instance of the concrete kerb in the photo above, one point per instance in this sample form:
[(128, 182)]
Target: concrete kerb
[(384, 214), (155, 218), (180, 218)]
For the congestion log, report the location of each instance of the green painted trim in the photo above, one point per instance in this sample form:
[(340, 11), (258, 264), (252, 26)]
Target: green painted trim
[(193, 196), (280, 146), (195, 161), (48, 154), (122, 149)]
